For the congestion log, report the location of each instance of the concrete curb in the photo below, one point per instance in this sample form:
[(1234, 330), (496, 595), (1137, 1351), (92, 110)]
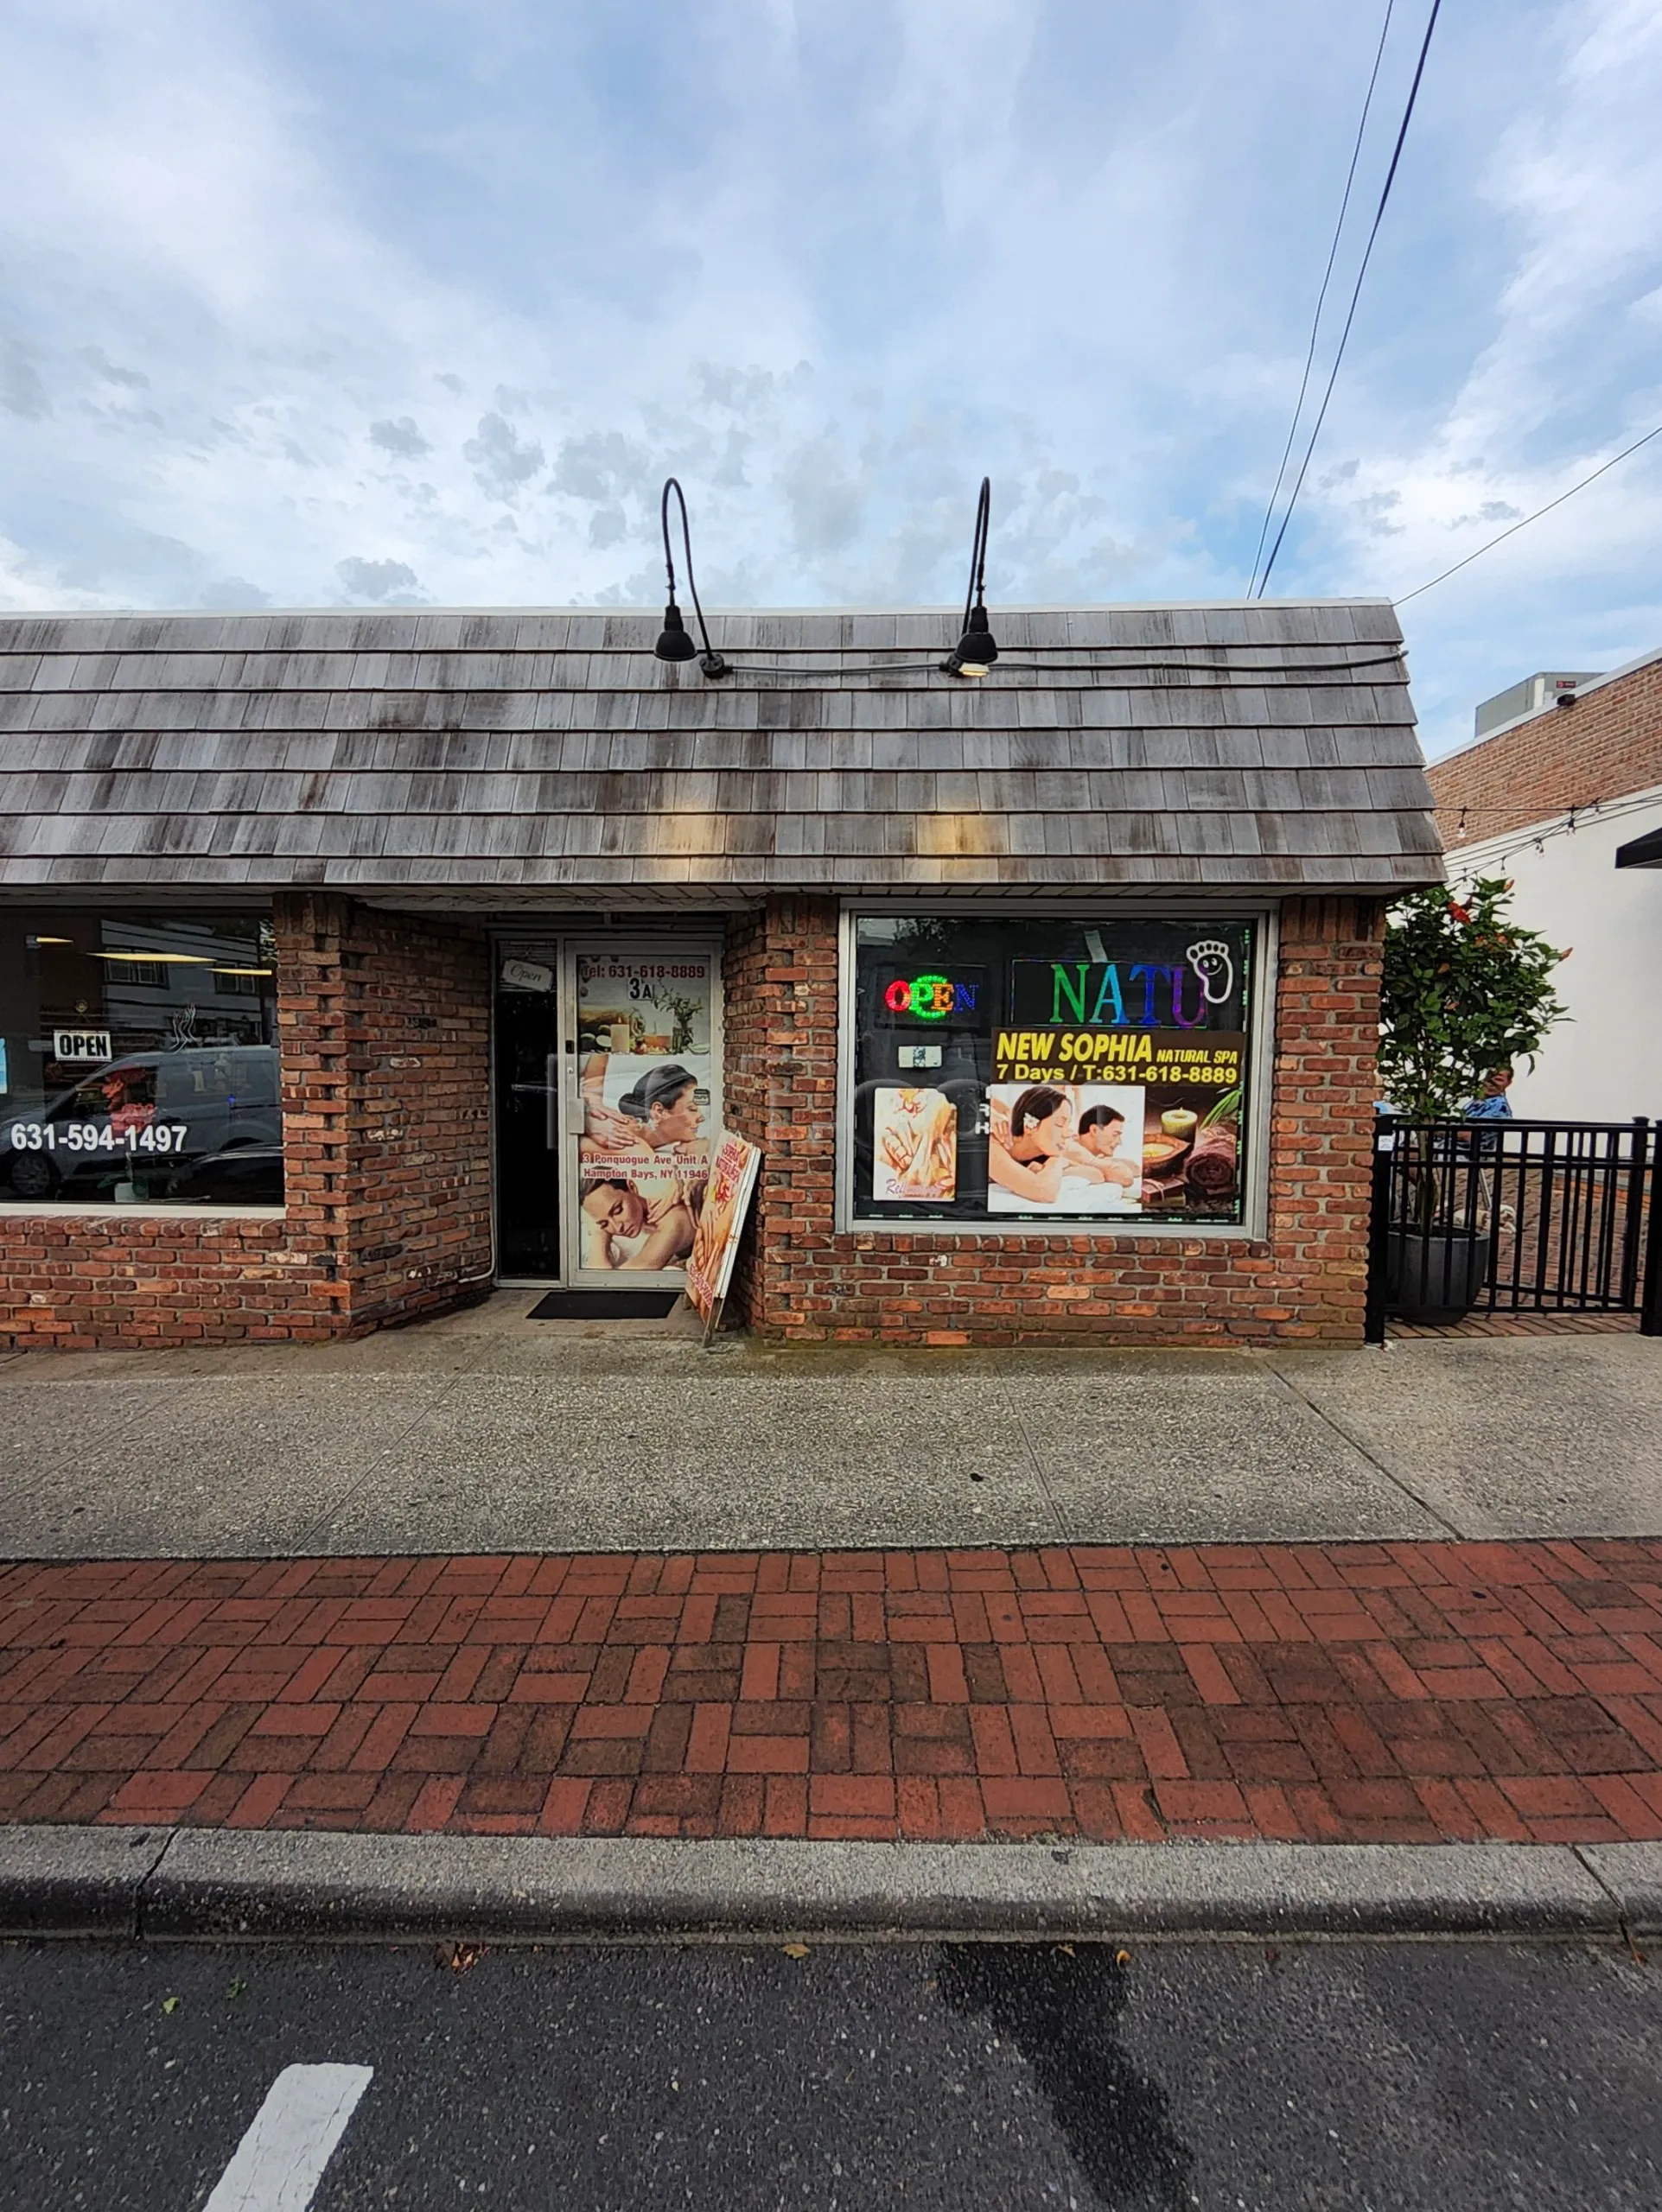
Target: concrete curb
[(209, 1883), (75, 1881)]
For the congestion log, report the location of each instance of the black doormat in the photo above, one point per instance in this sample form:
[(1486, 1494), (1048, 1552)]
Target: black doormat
[(604, 1305)]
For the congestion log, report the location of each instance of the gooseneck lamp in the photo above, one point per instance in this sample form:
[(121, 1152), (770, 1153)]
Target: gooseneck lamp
[(673, 643), (976, 651)]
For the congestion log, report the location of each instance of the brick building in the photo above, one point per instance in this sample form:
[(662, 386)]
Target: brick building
[(1565, 800), (352, 961)]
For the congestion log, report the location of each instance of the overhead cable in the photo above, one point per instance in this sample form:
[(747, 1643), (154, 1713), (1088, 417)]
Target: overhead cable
[(1320, 301), (1356, 294), (1513, 530)]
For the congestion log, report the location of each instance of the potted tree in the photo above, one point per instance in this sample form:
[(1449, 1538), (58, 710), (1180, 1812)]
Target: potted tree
[(1465, 991)]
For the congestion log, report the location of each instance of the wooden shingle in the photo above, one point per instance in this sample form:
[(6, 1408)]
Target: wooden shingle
[(450, 753)]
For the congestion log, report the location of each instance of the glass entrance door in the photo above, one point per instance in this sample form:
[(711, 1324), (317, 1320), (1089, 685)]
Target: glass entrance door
[(606, 1053), (640, 1105), (527, 1059)]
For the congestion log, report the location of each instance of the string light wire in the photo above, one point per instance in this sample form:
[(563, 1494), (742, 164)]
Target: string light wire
[(1514, 529)]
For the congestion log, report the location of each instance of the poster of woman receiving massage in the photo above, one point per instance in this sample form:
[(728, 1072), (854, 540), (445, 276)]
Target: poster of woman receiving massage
[(1070, 1147), (644, 1076)]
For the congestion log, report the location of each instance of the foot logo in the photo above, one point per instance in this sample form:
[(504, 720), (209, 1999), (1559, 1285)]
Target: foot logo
[(1212, 963)]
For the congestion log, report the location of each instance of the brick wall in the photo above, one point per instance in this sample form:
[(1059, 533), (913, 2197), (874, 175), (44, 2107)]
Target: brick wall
[(1305, 1282), (383, 1030), (1609, 743)]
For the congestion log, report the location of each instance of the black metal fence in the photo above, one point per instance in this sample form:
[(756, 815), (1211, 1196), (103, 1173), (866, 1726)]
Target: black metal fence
[(1514, 1216)]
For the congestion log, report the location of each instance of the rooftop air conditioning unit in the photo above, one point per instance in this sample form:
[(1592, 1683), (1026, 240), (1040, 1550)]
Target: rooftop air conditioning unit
[(1529, 698)]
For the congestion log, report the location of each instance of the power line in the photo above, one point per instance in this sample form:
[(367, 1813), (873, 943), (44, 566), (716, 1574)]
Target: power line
[(1344, 335), (1513, 530), (1320, 301)]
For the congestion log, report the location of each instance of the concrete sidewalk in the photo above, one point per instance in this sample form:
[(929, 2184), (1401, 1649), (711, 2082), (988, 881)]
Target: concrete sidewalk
[(486, 1432)]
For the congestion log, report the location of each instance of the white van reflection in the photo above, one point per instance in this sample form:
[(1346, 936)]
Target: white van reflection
[(200, 1124)]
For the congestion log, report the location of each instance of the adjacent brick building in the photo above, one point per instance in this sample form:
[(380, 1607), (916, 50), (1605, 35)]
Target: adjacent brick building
[(1566, 802), (351, 963)]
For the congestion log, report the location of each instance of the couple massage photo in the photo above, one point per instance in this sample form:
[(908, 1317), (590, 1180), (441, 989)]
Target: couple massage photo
[(643, 1168), (1078, 1148)]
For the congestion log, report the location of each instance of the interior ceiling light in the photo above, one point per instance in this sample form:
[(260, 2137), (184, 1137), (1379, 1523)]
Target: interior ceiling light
[(51, 940), (673, 643), (167, 959), (974, 651), (242, 971)]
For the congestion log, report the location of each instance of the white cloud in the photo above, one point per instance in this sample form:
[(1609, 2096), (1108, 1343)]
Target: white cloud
[(401, 437), (378, 580), (449, 293)]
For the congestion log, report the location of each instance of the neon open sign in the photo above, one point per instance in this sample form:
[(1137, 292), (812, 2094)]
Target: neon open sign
[(931, 998)]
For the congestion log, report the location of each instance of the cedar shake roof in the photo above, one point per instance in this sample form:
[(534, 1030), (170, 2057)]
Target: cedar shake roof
[(496, 758)]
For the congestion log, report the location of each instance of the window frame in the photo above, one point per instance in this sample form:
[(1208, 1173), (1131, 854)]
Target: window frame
[(1253, 1228)]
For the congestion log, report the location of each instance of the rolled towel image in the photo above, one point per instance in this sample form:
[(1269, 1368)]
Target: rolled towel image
[(1214, 1164)]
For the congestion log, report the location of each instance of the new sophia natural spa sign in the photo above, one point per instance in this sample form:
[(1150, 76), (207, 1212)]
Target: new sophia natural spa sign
[(1115, 1056)]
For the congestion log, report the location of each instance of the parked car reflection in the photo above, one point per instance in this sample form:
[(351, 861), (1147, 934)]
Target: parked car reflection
[(145, 1127)]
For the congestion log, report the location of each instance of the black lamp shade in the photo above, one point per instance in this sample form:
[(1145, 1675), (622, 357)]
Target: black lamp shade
[(673, 643), (976, 648)]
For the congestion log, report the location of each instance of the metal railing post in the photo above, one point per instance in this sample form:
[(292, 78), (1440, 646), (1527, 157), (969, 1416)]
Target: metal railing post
[(1379, 1230), (1635, 1209), (1650, 1310)]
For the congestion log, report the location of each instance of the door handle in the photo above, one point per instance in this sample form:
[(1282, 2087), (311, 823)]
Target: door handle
[(550, 1099)]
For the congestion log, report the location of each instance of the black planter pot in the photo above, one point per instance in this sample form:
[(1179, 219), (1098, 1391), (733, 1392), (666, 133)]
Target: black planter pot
[(1434, 1276)]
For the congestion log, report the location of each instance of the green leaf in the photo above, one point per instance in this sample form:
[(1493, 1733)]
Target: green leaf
[(1459, 998)]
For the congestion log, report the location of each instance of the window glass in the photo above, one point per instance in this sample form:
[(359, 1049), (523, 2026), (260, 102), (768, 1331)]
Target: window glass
[(139, 1060), (1045, 1070)]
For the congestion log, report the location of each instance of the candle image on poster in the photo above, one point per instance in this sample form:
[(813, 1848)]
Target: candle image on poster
[(644, 1068)]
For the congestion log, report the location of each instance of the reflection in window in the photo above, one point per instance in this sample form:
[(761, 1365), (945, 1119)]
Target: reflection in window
[(138, 1060)]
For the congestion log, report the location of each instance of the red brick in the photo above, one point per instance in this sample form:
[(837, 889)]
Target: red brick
[(158, 1796), (1210, 1676), (1203, 1804), (1023, 1797), (869, 1794), (1163, 1754), (767, 1755), (259, 1802)]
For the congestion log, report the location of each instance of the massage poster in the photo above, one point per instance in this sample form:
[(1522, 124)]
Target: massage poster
[(644, 1074), (1065, 1148), (720, 1224), (915, 1149)]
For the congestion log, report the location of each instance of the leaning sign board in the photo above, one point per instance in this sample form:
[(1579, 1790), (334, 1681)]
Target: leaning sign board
[(715, 1246)]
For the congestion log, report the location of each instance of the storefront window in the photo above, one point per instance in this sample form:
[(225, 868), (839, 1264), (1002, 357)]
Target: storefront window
[(1051, 1070), (139, 1060)]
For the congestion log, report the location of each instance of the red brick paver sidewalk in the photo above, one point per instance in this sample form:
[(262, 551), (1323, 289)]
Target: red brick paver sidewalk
[(1388, 1692)]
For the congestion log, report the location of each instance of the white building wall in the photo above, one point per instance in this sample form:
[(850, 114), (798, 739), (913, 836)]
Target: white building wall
[(1604, 1062)]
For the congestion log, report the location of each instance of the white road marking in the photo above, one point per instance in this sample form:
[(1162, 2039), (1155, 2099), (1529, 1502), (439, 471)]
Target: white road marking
[(290, 2139)]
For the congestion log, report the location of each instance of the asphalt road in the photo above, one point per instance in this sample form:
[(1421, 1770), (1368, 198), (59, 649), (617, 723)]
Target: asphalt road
[(962, 2076)]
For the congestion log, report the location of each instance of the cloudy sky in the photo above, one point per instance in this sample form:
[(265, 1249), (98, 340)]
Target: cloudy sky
[(304, 304)]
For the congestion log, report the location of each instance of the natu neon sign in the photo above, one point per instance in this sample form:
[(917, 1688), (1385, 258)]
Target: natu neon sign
[(931, 998)]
